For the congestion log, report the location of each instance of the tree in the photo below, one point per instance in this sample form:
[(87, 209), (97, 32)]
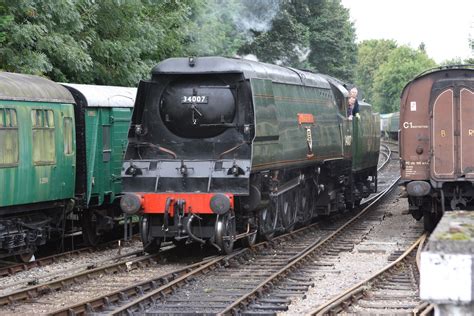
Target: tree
[(402, 65), (39, 31), (104, 42), (452, 61), (212, 28), (332, 38), (125, 39), (5, 19), (471, 59), (371, 55), (309, 34)]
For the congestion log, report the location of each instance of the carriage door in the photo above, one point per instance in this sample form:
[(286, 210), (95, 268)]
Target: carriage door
[(452, 131), (466, 108)]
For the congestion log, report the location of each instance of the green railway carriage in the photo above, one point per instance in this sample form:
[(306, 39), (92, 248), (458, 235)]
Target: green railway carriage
[(222, 147), (102, 118), (37, 160), (61, 149)]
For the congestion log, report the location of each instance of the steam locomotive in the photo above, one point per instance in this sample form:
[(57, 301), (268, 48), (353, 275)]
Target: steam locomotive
[(223, 149), (437, 142)]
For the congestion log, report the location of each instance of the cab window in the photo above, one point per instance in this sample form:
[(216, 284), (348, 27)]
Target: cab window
[(8, 138)]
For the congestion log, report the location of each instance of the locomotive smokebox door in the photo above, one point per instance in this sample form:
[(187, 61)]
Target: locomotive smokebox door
[(198, 109)]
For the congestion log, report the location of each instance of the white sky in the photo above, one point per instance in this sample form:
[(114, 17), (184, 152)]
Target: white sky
[(443, 25)]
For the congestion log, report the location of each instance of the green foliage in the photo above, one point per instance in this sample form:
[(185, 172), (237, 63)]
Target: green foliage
[(332, 39), (40, 30), (87, 41), (452, 61), (371, 55), (212, 28), (402, 65), (5, 19), (471, 59)]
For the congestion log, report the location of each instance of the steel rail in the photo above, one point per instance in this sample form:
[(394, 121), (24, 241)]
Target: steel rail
[(41, 262), (139, 303), (41, 289), (387, 155), (168, 288), (105, 301), (171, 281), (355, 293), (305, 254), (75, 269)]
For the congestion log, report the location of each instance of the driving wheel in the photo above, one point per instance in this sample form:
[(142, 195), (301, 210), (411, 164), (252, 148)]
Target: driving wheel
[(225, 232)]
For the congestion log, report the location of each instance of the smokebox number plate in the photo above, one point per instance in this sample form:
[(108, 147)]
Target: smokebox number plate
[(194, 99)]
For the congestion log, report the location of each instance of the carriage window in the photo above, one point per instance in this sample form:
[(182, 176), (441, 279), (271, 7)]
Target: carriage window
[(49, 118), (106, 150), (8, 138), (68, 139), (44, 150)]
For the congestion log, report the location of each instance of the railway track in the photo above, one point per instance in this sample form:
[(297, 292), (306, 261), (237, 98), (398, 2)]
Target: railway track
[(54, 282), (167, 283), (14, 268), (236, 283), (392, 290)]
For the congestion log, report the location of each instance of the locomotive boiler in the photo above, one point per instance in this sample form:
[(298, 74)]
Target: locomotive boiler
[(437, 142), (222, 149)]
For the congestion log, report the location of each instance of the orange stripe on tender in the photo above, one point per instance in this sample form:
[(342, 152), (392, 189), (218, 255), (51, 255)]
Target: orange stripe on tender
[(199, 203)]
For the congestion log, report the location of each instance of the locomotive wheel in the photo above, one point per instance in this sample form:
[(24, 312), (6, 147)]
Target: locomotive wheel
[(179, 243), (305, 211), (150, 244), (225, 232), (250, 240), (89, 228), (268, 219), (288, 206), (25, 257)]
